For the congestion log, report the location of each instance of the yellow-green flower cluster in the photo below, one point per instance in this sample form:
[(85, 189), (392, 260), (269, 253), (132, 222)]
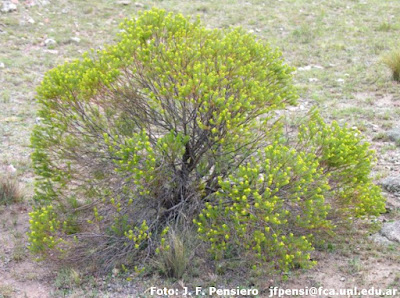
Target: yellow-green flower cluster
[(163, 246), (44, 229), (139, 234), (279, 191), (347, 159), (135, 156)]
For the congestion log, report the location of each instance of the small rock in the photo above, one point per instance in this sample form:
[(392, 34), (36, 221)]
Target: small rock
[(115, 272), (31, 3), (51, 51), (391, 230), (2, 65), (11, 169), (391, 184), (307, 67), (8, 6), (124, 2), (340, 80), (313, 80), (137, 4), (342, 279), (76, 39), (257, 30), (394, 134), (49, 42), (31, 21)]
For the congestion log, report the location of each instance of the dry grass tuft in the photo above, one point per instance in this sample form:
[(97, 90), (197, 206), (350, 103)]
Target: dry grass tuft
[(392, 60), (174, 261), (10, 191)]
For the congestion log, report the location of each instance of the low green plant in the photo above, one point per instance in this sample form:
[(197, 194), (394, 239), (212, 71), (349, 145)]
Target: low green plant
[(176, 125), (385, 27), (392, 61), (67, 279)]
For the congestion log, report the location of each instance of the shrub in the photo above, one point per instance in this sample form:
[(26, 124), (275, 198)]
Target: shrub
[(176, 126), (392, 61), (9, 191)]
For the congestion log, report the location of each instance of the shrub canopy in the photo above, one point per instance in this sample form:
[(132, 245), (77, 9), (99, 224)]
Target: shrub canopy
[(175, 126)]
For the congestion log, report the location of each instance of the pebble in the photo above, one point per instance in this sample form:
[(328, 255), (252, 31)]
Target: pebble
[(11, 169), (309, 67), (50, 42), (76, 39)]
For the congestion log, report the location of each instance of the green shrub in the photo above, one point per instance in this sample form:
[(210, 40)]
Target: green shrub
[(176, 126), (392, 61)]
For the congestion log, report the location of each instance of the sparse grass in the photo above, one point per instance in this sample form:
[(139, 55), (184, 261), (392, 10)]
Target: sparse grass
[(392, 61), (385, 27), (381, 136), (6, 291), (67, 279), (355, 265), (19, 252), (304, 34), (10, 191)]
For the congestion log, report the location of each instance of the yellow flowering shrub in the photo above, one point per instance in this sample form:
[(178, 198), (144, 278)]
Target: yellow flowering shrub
[(176, 125)]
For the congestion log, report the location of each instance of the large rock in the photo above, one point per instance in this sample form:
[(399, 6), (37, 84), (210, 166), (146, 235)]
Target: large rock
[(389, 234), (391, 230), (378, 238), (8, 6), (394, 134), (391, 184)]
